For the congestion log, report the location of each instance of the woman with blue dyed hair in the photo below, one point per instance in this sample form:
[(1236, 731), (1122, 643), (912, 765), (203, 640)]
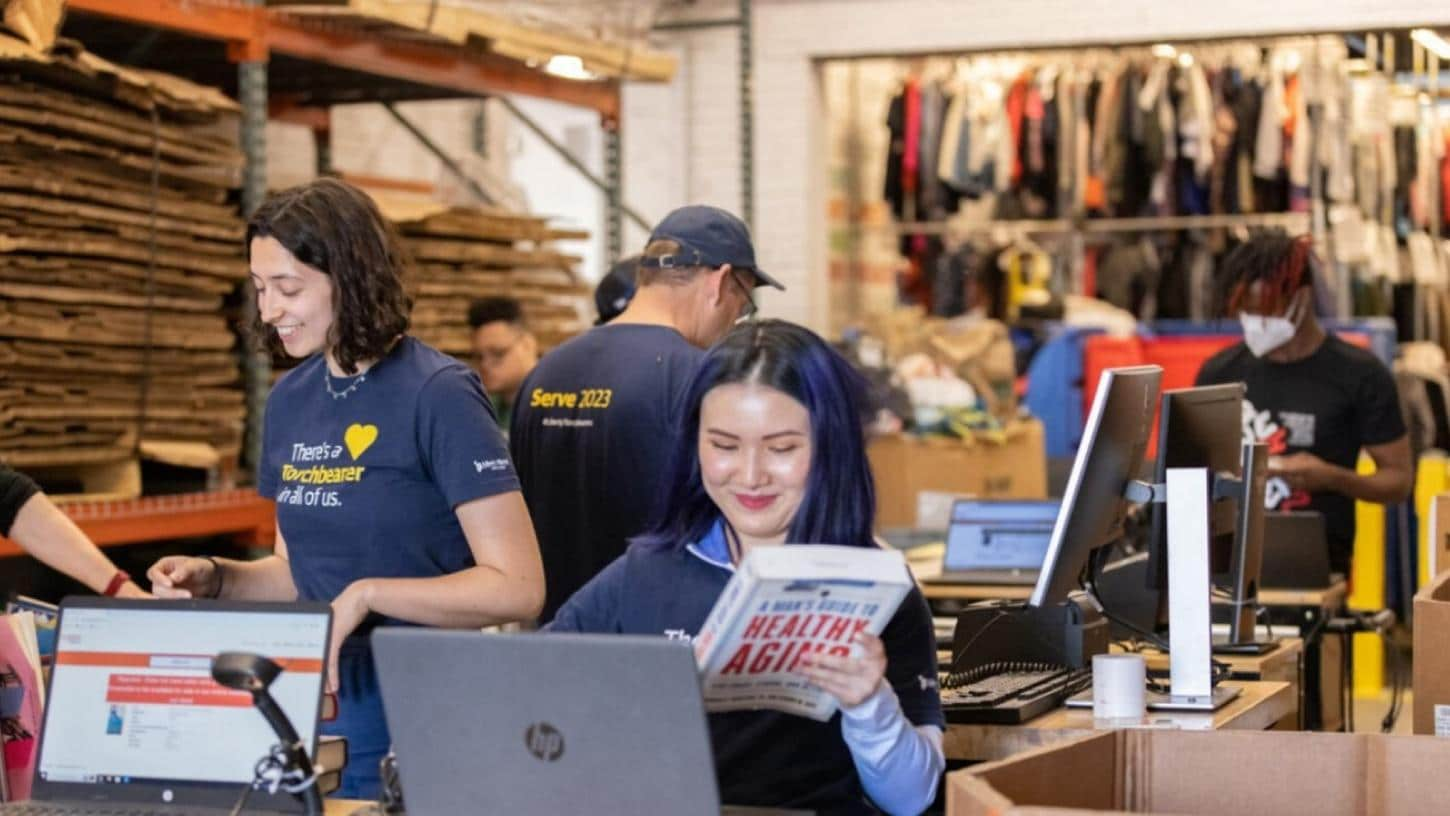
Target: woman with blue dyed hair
[(771, 450)]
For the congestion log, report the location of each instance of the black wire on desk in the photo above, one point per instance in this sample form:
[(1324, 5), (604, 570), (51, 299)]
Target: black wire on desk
[(1397, 684), (1347, 692), (1221, 670)]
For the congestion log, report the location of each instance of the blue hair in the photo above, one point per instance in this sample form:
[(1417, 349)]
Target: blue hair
[(839, 505)]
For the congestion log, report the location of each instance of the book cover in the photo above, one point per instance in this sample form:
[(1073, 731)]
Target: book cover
[(20, 702), (47, 617), (786, 602)]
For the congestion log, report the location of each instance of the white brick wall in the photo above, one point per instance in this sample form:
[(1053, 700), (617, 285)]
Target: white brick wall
[(791, 34)]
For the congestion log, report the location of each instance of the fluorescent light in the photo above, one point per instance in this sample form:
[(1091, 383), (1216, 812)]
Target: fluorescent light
[(567, 66), (1185, 59), (1164, 51), (1432, 41)]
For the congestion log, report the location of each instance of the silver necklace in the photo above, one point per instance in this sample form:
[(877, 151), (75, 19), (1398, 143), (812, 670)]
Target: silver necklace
[(327, 381)]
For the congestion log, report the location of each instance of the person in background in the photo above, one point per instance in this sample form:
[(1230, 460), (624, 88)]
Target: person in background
[(772, 452), (507, 351), (1316, 400), (590, 429), (396, 499), (615, 290), (30, 519)]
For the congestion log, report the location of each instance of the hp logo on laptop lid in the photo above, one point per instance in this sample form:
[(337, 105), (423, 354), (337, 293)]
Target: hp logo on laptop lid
[(544, 741)]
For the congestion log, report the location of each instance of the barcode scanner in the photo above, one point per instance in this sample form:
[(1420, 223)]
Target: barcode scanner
[(287, 767)]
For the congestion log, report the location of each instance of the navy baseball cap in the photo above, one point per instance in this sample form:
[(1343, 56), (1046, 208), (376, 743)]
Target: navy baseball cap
[(615, 290), (710, 237)]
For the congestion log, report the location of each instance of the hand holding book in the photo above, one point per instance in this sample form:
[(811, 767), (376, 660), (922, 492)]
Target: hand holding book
[(852, 678), (797, 629)]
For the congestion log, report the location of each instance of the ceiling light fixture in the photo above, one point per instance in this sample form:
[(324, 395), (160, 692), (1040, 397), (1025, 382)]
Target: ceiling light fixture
[(568, 66)]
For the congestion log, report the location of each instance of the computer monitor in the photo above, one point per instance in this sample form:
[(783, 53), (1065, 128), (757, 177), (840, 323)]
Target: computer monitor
[(1203, 428), (1247, 564), (1093, 506), (1198, 428)]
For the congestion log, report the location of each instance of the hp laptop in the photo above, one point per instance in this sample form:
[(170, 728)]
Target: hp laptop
[(997, 542), (546, 723), (134, 722)]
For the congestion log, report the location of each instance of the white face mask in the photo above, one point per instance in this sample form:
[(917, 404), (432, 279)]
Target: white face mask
[(1263, 334)]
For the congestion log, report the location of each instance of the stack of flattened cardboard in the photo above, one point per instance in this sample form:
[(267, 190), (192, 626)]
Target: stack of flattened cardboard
[(527, 32), (119, 242), (462, 253)]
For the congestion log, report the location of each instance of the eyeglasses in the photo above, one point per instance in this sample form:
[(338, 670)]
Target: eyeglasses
[(496, 355), (748, 310)]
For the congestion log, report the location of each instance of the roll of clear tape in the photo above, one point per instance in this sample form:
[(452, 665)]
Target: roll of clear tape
[(1119, 686)]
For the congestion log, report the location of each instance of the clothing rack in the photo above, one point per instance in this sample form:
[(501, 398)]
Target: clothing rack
[(1294, 223)]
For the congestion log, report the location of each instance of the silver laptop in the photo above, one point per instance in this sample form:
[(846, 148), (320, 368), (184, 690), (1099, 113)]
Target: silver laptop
[(545, 723), (133, 720), (997, 541)]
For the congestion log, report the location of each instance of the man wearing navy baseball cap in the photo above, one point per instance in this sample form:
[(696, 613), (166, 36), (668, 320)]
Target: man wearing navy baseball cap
[(591, 425)]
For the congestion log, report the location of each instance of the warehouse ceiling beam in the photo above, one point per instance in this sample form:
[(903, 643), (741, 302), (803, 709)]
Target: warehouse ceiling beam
[(295, 112), (229, 22), (252, 32), (469, 74)]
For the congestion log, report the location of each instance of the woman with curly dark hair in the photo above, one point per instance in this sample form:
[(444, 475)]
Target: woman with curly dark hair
[(396, 497)]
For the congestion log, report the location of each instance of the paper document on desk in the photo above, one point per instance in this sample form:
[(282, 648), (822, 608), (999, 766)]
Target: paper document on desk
[(786, 602)]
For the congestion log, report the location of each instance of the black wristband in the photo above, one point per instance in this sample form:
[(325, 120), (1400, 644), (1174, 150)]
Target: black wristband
[(216, 569)]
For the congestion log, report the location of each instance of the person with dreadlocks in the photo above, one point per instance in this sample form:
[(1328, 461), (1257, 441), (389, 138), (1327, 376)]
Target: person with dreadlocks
[(1316, 400)]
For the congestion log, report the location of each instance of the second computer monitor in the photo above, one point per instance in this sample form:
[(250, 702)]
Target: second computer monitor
[(1113, 443), (1198, 428)]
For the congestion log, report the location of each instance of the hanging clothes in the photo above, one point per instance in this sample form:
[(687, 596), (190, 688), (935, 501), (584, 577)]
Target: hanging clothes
[(955, 142), (895, 189), (1269, 143)]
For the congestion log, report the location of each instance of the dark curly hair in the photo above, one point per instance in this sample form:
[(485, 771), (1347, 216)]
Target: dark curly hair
[(1280, 263), (336, 228), (495, 309)]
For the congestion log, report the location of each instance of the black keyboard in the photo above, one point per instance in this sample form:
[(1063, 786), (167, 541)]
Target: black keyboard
[(1010, 693)]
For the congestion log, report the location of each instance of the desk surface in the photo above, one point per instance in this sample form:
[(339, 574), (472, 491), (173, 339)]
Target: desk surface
[(1258, 707), (927, 569), (342, 807), (1279, 663)]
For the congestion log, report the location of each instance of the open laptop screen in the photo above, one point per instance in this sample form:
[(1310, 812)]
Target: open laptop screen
[(999, 535), (132, 700)]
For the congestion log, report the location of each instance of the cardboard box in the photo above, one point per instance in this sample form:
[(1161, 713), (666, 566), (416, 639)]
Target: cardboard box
[(1264, 773), (904, 466), (1432, 658), (1438, 538)]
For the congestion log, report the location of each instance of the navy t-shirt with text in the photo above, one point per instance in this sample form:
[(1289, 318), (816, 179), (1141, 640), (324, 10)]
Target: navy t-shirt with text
[(591, 433), (366, 485)]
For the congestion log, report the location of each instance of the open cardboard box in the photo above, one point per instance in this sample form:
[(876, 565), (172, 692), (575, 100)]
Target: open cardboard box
[(1432, 659), (1264, 773), (904, 466)]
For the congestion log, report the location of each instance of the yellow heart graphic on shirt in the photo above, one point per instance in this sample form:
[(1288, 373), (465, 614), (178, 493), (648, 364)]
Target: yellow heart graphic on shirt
[(359, 438)]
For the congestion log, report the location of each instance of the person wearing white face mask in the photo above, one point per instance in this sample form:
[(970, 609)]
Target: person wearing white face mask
[(1314, 399)]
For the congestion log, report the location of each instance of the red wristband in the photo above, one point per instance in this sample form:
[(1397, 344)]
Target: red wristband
[(117, 581)]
